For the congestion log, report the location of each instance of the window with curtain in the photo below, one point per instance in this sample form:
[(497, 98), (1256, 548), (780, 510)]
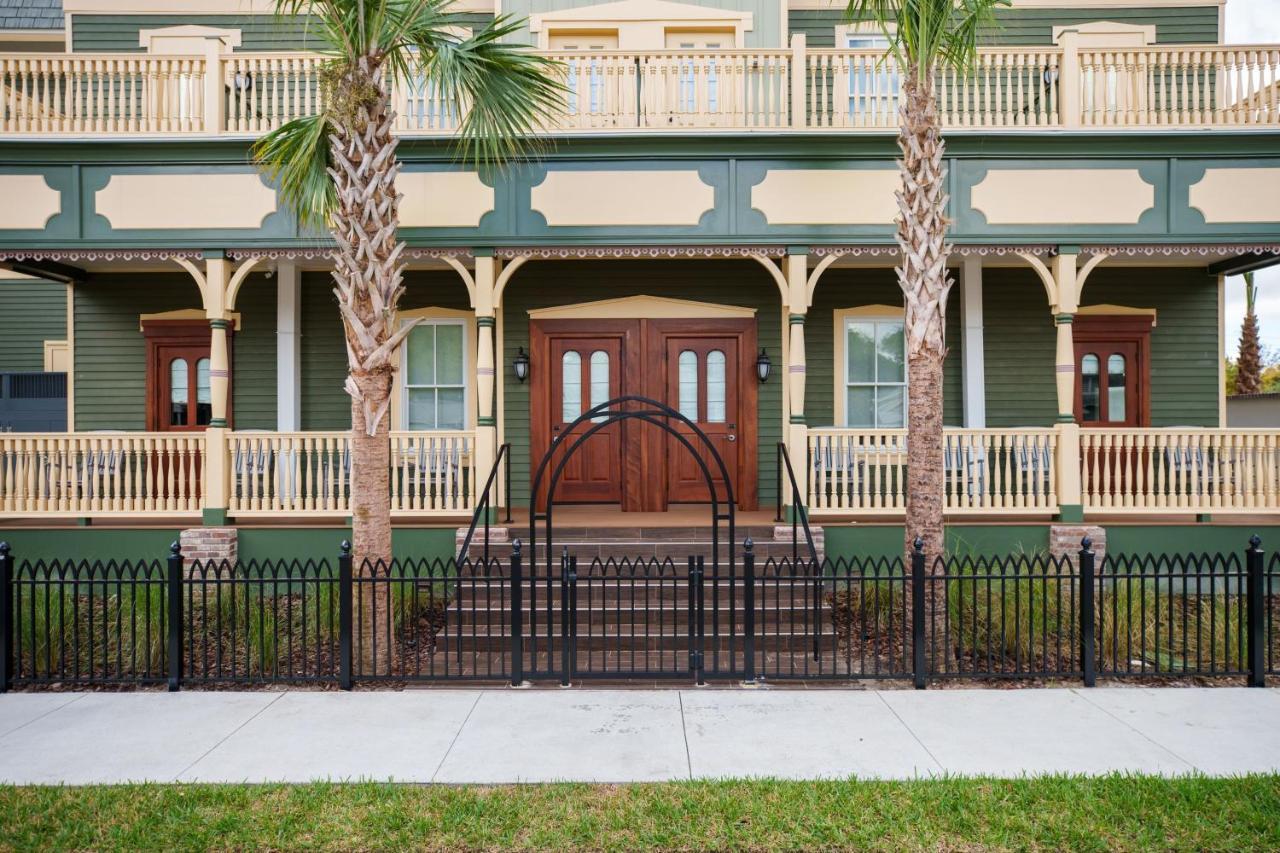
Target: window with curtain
[(570, 386), (873, 88), (687, 392), (435, 376), (599, 381), (875, 373)]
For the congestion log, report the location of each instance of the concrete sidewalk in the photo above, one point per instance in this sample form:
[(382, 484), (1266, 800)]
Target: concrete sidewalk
[(495, 736)]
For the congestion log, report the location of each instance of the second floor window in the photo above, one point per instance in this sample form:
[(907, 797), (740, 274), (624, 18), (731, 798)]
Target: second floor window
[(873, 87)]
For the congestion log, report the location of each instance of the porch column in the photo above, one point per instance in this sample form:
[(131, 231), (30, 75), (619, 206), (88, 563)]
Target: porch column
[(971, 343), (288, 347), (217, 484), (1067, 302), (797, 273), (486, 275)]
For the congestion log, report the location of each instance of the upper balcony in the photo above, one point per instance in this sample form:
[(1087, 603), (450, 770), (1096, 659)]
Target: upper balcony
[(1022, 89)]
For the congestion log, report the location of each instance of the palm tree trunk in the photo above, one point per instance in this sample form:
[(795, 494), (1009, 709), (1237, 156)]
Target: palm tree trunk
[(368, 276), (922, 229)]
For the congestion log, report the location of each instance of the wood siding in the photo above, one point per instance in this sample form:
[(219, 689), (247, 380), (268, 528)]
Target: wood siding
[(92, 33), (546, 283), (110, 352), (34, 312), (851, 288), (1019, 338), (1174, 25)]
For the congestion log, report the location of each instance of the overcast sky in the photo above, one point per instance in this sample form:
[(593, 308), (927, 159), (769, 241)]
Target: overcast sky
[(1255, 22)]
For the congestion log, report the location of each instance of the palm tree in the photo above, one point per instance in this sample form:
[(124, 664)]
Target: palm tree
[(1249, 363), (924, 36), (338, 168)]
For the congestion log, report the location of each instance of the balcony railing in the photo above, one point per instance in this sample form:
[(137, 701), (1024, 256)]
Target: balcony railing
[(613, 91)]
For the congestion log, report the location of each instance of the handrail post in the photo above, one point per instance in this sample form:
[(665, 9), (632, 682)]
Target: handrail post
[(749, 609), (917, 615), (345, 620), (517, 615), (1088, 631), (6, 618), (1069, 101), (778, 461), (174, 587), (1256, 615), (214, 93), (505, 455), (799, 59), (568, 574)]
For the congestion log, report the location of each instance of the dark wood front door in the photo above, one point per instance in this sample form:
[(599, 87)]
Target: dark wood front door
[(702, 384), (586, 372), (1112, 371), (579, 363)]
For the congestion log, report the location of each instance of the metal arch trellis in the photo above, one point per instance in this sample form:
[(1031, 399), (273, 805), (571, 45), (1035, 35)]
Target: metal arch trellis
[(645, 410)]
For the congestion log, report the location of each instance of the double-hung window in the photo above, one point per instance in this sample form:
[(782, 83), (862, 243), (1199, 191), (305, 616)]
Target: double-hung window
[(874, 83), (875, 379), (435, 383)]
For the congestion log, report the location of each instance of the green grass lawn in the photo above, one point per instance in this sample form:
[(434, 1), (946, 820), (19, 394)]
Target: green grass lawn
[(1116, 812)]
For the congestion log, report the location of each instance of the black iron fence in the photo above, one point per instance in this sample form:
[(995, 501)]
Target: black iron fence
[(955, 617)]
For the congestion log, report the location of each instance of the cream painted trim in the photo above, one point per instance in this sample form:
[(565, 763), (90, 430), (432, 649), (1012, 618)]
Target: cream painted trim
[(1108, 310), (1096, 34), (1237, 195), (1062, 196), (827, 196), (1222, 352), (469, 336), (40, 202), (71, 356), (1041, 4), (56, 352), (641, 307), (191, 200), (622, 197), (443, 199), (186, 314), (640, 24), (32, 35), (839, 361), (843, 31), (229, 38), (175, 8)]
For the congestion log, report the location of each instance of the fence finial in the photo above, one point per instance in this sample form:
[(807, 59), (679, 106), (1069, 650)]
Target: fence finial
[(4, 549), (748, 544), (919, 544), (515, 548), (175, 550), (346, 548), (1086, 544), (1255, 542)]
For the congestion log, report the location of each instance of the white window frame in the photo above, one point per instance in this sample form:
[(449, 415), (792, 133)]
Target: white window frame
[(861, 103), (436, 317), (865, 314)]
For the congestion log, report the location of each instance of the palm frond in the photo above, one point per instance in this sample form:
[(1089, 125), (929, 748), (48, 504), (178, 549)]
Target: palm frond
[(929, 34), (506, 93), (296, 157)]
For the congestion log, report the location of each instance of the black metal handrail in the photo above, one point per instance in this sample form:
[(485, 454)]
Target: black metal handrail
[(799, 512), (482, 505)]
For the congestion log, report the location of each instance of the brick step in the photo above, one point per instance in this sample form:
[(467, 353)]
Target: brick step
[(674, 542)]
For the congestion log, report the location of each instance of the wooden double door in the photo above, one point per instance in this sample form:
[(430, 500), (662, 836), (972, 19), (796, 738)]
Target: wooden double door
[(702, 368)]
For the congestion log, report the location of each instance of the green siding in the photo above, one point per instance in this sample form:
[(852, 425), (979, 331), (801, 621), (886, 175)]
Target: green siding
[(91, 33), (34, 312), (325, 405), (1174, 25), (1020, 340), (111, 353), (253, 389), (850, 288), (544, 284)]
